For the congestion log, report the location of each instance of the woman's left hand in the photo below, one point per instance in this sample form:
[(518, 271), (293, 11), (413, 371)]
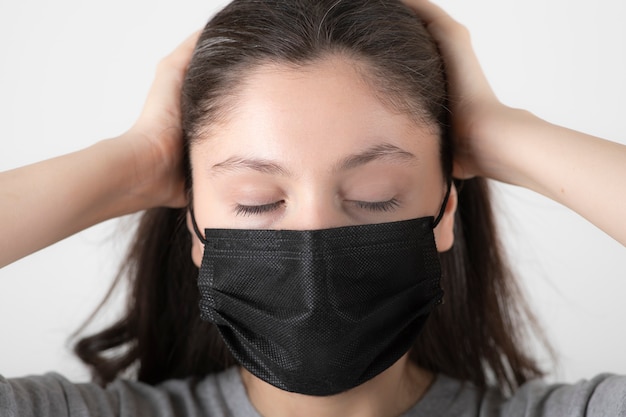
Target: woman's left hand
[(473, 103), (582, 172)]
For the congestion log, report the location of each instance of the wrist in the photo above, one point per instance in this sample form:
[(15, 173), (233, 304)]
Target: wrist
[(117, 186), (153, 169), (507, 149)]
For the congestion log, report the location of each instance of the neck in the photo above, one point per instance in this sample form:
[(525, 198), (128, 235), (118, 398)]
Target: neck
[(389, 394)]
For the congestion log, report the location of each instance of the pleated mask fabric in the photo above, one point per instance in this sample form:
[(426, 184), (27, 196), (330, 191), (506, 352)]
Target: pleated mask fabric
[(318, 312)]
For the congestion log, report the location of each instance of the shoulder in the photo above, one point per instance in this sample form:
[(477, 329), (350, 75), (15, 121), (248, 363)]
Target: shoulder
[(54, 395), (51, 395), (604, 395)]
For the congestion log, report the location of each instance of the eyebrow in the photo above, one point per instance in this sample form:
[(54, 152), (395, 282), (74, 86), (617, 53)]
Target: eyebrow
[(264, 166), (384, 151), (377, 152)]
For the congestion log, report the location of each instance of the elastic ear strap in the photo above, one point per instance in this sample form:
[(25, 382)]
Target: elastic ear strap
[(442, 210), (195, 226)]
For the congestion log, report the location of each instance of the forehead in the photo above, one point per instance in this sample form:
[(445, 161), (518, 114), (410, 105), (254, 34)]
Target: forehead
[(313, 113)]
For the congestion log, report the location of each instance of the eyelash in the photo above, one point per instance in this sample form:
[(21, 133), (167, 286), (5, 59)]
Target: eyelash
[(242, 210), (384, 206), (378, 206)]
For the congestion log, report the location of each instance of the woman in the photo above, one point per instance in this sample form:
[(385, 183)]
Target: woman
[(310, 117)]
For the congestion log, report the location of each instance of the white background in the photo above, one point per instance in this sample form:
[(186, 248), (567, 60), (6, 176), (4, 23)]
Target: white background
[(73, 72)]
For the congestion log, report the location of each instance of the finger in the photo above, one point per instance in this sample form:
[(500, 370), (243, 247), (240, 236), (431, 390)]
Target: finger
[(165, 89), (179, 58), (456, 47), (437, 20), (427, 11), (448, 33)]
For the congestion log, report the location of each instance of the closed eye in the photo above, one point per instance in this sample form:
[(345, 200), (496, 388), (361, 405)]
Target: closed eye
[(388, 205), (376, 206), (243, 210)]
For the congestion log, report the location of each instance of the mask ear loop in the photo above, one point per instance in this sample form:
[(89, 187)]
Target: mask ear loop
[(442, 210), (195, 226)]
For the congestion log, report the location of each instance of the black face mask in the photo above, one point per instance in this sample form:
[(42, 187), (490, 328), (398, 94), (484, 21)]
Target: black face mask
[(318, 312)]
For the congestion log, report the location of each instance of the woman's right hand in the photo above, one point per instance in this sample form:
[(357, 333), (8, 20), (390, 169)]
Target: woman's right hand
[(156, 138), (141, 169)]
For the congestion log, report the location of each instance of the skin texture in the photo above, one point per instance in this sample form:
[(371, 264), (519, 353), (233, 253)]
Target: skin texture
[(514, 146), (289, 118), (298, 131), (142, 169)]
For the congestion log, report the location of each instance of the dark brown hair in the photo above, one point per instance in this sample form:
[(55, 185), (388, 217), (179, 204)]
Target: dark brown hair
[(476, 335)]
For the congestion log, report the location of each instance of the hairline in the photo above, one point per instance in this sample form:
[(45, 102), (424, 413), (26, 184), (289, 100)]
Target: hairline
[(226, 104)]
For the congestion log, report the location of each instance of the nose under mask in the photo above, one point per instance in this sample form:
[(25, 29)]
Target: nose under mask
[(318, 312)]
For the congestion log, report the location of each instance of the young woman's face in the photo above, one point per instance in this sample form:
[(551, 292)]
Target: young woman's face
[(314, 148)]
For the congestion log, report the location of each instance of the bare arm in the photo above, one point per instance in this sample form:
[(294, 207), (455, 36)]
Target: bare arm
[(51, 200), (582, 172)]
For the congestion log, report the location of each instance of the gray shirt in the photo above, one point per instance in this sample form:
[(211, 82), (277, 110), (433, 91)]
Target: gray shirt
[(223, 394)]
